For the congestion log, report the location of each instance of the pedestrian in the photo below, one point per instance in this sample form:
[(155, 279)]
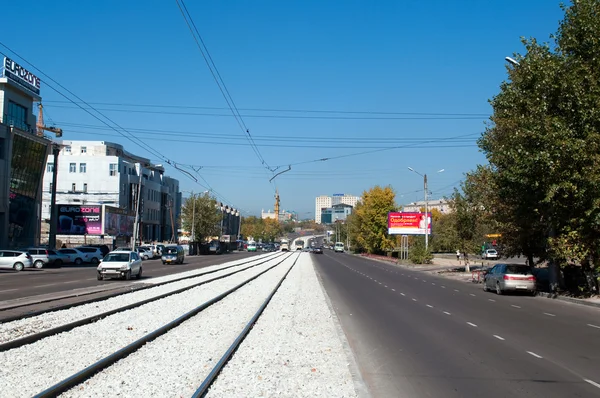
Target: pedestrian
[(63, 246), (458, 256)]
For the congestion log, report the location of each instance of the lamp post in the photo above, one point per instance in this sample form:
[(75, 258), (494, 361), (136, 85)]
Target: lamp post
[(512, 61), (426, 204)]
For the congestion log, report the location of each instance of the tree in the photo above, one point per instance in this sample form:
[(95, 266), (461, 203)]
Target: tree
[(205, 216), (368, 222)]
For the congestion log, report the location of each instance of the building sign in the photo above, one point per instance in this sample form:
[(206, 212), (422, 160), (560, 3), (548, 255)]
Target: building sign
[(406, 223), (79, 220), (21, 76), (118, 222), (338, 194)]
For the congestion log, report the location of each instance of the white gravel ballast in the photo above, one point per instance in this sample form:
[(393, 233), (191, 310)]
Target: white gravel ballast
[(23, 327), (175, 364), (28, 370), (294, 349)]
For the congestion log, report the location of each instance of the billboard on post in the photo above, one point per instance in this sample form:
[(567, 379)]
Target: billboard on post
[(118, 222), (79, 220), (409, 223)]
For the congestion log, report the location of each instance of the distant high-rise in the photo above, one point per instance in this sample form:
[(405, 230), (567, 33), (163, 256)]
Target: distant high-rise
[(326, 202)]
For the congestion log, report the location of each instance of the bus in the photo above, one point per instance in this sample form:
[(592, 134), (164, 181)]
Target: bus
[(285, 245), (299, 243)]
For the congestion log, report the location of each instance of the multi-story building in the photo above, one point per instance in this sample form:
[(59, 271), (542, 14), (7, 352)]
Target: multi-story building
[(283, 215), (326, 202), (440, 204), (23, 155), (103, 173), (335, 213)]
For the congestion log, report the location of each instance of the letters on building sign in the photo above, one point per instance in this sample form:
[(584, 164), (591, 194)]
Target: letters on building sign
[(16, 71)]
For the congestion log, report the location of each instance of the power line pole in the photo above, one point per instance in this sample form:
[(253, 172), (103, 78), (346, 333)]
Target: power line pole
[(426, 213), (137, 210), (53, 208)]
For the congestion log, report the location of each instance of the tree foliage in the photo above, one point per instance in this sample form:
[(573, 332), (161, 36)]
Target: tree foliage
[(266, 230), (205, 216), (368, 222)]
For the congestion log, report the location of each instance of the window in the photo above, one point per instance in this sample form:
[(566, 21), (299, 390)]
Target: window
[(83, 149), (72, 167), (51, 187), (17, 116), (68, 149), (73, 187), (112, 169), (82, 167), (85, 187), (50, 167)]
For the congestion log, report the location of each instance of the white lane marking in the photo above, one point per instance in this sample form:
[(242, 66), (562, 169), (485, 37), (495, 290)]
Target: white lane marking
[(443, 287), (430, 306), (403, 294), (456, 290), (471, 294), (547, 313), (472, 324), (379, 283), (447, 313), (515, 306), (498, 337), (534, 354), (414, 299), (433, 283), (594, 326), (492, 300), (424, 280), (393, 290), (10, 290), (592, 383)]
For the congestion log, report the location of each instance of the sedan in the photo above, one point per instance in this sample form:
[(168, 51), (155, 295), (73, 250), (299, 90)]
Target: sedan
[(317, 250), (490, 254), (13, 259), (75, 256), (510, 277)]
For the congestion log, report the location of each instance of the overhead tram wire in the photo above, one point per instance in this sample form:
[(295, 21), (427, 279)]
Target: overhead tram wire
[(218, 79)]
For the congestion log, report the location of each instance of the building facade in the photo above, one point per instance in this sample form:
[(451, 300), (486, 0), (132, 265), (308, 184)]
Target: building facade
[(103, 173), (336, 213), (441, 205), (283, 215), (327, 202), (23, 155)]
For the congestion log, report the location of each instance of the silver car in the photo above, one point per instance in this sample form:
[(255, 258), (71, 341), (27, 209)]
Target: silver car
[(120, 264), (510, 277), (14, 259)]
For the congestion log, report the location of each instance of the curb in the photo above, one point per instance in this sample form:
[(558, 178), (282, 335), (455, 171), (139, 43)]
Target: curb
[(568, 299)]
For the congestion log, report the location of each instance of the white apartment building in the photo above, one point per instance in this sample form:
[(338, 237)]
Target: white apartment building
[(100, 172), (441, 205), (326, 202)]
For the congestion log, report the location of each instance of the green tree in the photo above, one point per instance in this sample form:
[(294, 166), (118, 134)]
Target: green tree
[(368, 223), (205, 216)]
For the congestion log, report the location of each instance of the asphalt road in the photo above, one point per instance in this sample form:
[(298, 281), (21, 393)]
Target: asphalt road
[(33, 282), (418, 335)]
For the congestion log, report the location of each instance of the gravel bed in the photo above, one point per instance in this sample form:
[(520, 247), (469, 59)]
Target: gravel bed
[(293, 350), (24, 327), (30, 369), (175, 364)]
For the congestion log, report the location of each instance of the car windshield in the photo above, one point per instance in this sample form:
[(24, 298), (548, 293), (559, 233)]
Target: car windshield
[(518, 269), (116, 257), (171, 250)]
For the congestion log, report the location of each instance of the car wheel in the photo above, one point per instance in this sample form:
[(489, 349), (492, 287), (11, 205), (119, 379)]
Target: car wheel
[(498, 289), (58, 263), (78, 261), (100, 277), (164, 262), (128, 275), (18, 267), (39, 264), (94, 261), (139, 275)]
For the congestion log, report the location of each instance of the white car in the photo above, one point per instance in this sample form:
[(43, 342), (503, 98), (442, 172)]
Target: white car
[(77, 257), (339, 247), (94, 254), (490, 254), (120, 264), (15, 259), (144, 253)]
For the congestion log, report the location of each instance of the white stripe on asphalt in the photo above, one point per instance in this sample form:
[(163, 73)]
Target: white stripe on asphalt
[(433, 283), (515, 306), (403, 294), (443, 287), (414, 299), (534, 354), (498, 337), (594, 326), (592, 383), (492, 300), (472, 324), (471, 294), (10, 290), (456, 290), (430, 306), (447, 313), (546, 313)]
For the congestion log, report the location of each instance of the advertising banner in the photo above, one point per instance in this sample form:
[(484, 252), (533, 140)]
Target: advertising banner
[(118, 222), (79, 220), (408, 223)]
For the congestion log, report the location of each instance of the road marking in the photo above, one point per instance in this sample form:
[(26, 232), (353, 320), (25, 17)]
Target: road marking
[(447, 313), (443, 287), (393, 290), (424, 280), (8, 290), (430, 306), (414, 299), (403, 294), (592, 383), (472, 324), (515, 306), (534, 354), (456, 290), (546, 313), (498, 337), (471, 294), (385, 285), (433, 283), (594, 326), (379, 283), (492, 300)]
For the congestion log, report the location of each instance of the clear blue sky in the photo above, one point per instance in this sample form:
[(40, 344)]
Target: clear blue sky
[(399, 57)]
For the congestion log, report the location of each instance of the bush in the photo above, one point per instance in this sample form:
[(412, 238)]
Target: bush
[(418, 254)]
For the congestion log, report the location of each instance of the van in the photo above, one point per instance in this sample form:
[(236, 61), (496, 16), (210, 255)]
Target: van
[(339, 247), (173, 255), (285, 245), (251, 246)]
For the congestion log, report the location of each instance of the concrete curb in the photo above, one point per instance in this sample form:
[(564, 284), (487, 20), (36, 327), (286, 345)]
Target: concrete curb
[(360, 387), (568, 299)]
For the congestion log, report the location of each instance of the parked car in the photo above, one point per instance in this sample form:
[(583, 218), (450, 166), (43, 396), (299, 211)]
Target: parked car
[(173, 255), (43, 257), (339, 247), (214, 247), (510, 277), (490, 254), (103, 248), (120, 264), (251, 246), (94, 254), (15, 259), (153, 251), (144, 252), (317, 250), (75, 256)]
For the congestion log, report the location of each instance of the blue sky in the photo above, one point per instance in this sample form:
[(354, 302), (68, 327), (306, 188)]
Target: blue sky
[(390, 61)]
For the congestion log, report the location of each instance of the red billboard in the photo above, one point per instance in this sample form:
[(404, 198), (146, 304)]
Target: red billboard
[(409, 223)]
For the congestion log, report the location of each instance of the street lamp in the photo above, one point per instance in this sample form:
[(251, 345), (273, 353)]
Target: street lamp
[(426, 204), (512, 61)]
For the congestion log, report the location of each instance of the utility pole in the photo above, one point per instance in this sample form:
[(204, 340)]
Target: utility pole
[(137, 210), (426, 213), (53, 209), (193, 216)]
